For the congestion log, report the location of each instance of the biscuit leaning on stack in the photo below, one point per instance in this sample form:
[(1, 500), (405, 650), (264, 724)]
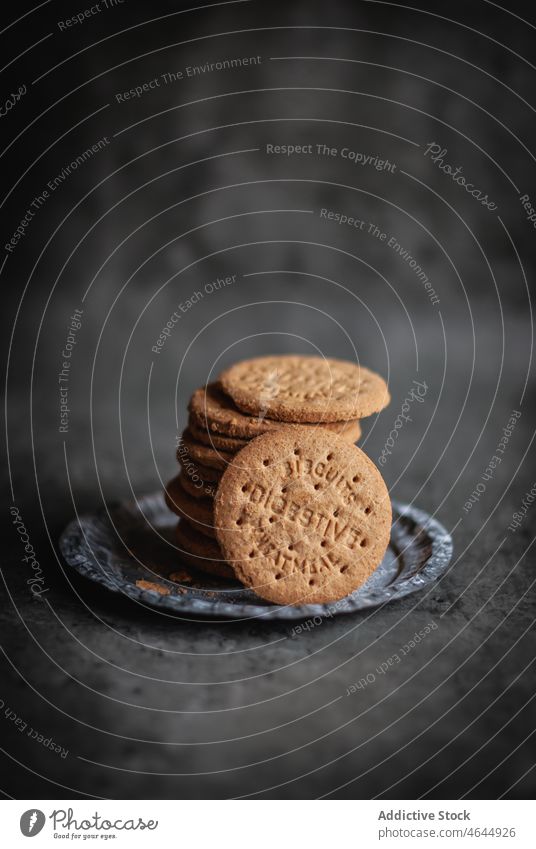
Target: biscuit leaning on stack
[(302, 404)]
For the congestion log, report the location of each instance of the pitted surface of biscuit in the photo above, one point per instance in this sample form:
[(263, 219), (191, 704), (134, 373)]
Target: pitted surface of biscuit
[(304, 517)]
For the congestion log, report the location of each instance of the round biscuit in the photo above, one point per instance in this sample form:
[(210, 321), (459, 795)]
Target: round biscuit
[(304, 517), (215, 440), (201, 552), (196, 472), (216, 413), (304, 389), (198, 488), (205, 455), (199, 512)]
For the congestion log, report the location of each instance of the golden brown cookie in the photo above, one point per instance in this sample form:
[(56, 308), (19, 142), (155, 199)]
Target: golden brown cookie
[(216, 440), (304, 517), (212, 410), (201, 552), (199, 512), (196, 472), (304, 389), (204, 455), (349, 431), (198, 489)]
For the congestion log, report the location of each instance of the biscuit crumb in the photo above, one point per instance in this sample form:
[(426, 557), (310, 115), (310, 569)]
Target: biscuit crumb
[(181, 577), (150, 585)]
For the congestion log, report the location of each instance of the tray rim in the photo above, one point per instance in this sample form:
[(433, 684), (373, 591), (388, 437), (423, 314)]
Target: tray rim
[(435, 566)]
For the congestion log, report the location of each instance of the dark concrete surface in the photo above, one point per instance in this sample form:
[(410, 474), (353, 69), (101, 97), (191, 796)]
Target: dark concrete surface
[(151, 706)]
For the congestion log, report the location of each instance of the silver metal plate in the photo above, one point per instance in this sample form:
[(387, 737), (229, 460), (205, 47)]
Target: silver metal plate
[(133, 541)]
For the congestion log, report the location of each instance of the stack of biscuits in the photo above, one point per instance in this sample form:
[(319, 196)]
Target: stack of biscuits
[(275, 405)]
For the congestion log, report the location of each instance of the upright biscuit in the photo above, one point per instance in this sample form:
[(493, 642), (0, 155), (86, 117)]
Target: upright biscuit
[(214, 411), (304, 517), (199, 512), (201, 552), (304, 389)]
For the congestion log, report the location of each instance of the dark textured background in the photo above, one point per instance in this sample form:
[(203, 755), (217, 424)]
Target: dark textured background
[(172, 709)]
